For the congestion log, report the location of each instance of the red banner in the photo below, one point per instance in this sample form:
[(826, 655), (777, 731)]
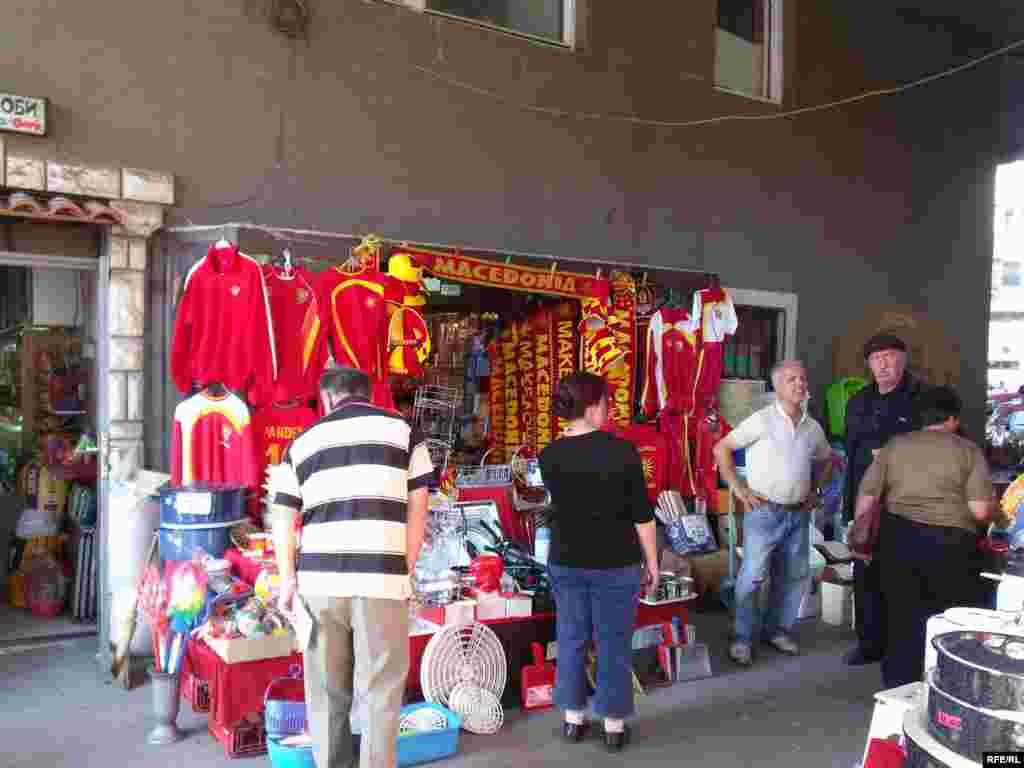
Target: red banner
[(465, 269), (527, 385), (622, 377), (496, 398), (509, 353), (541, 322), (565, 346)]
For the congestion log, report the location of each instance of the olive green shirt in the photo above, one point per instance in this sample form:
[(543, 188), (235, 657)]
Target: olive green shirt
[(928, 477)]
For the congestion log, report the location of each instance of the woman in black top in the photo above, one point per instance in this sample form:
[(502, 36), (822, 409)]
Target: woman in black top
[(602, 531)]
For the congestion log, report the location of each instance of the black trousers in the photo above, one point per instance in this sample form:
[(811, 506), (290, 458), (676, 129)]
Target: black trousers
[(924, 570), (869, 607)]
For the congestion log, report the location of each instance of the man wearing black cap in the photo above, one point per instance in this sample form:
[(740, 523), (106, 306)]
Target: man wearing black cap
[(875, 414)]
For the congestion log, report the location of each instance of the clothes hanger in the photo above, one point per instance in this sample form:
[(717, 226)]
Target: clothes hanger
[(215, 389), (223, 242)]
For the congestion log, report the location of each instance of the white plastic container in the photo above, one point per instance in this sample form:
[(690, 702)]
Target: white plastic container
[(837, 604), (542, 545), (133, 517)]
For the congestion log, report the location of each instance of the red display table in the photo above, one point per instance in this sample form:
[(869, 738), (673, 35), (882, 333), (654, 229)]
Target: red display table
[(249, 680)]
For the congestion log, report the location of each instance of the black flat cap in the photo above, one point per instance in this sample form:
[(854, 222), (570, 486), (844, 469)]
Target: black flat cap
[(881, 341)]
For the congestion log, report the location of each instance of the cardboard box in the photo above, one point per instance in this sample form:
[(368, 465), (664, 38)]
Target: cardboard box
[(709, 570), (459, 612), (810, 604), (502, 605), (237, 650), (837, 604)]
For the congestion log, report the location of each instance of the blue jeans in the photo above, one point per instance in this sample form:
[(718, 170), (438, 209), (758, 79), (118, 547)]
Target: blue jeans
[(597, 604), (775, 542)]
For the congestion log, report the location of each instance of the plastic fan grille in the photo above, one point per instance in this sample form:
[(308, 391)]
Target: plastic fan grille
[(464, 654), (422, 721), (479, 709)]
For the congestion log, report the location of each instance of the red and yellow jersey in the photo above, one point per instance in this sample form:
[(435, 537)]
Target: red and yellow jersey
[(408, 342), (274, 428), (213, 442), (671, 364), (295, 316), (354, 310)]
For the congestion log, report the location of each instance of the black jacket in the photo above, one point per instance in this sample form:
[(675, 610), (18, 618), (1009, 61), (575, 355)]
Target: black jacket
[(871, 419)]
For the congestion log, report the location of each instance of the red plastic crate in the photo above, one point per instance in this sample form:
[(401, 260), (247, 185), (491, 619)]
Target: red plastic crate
[(196, 692), (245, 739)]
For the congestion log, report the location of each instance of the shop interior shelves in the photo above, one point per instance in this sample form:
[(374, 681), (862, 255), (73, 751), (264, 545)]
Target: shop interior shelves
[(81, 472)]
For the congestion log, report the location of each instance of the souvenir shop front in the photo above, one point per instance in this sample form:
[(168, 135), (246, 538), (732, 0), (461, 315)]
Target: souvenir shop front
[(470, 347)]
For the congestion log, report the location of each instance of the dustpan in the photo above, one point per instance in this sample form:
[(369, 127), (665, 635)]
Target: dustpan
[(538, 682)]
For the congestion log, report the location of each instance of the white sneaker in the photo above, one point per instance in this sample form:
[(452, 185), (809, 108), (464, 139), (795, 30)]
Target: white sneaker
[(784, 644), (740, 653)]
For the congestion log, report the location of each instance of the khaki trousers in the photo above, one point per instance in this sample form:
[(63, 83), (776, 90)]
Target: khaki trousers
[(355, 641)]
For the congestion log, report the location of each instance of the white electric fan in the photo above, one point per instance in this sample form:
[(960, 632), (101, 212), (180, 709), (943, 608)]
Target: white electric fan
[(462, 654), (479, 709)]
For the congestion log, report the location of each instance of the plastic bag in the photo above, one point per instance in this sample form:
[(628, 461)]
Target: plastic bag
[(691, 535)]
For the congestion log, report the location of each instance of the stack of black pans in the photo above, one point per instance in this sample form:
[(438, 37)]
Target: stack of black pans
[(975, 699)]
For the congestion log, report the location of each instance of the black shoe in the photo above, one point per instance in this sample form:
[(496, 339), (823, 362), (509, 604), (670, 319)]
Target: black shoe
[(858, 658), (614, 742), (574, 732)]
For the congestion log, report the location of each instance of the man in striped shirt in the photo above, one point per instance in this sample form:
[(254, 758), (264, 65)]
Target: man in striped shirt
[(359, 478)]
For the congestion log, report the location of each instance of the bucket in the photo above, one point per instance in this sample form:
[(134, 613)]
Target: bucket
[(199, 517)]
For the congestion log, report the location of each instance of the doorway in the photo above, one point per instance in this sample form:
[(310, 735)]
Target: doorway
[(53, 366), (1005, 425)]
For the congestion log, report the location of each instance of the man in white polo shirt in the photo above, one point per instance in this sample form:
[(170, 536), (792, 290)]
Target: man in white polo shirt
[(783, 443)]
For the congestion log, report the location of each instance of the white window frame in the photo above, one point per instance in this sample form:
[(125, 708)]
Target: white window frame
[(570, 22), (787, 303), (774, 72)]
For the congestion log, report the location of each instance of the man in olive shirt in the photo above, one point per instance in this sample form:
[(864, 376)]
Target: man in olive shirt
[(937, 491)]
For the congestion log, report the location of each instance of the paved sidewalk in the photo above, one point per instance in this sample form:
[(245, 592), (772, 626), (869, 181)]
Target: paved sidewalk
[(804, 712)]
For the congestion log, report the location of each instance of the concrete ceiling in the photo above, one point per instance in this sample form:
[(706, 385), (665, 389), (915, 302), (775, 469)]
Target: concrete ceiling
[(982, 23)]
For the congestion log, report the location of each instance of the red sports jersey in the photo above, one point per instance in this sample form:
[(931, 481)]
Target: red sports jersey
[(671, 362), (295, 318), (213, 442), (222, 330), (714, 319), (275, 426), (354, 310)]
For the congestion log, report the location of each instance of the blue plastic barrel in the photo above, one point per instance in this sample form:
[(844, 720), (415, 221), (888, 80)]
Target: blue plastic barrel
[(199, 516)]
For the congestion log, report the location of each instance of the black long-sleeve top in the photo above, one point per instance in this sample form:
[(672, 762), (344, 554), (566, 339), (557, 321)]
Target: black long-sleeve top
[(599, 495), (871, 420)]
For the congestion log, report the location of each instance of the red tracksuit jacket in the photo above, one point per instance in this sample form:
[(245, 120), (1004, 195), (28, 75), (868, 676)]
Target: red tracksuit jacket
[(222, 330)]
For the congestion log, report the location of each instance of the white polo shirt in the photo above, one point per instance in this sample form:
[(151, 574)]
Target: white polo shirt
[(780, 455)]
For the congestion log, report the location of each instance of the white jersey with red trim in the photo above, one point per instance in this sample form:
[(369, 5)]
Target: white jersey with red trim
[(213, 442), (717, 314)]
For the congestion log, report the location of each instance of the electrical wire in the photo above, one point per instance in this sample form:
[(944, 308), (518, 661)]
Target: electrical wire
[(564, 113)]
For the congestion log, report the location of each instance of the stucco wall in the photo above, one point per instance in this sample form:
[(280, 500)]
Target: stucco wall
[(346, 132)]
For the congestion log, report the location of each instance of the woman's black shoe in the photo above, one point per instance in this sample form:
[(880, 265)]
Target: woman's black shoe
[(614, 742), (574, 732)]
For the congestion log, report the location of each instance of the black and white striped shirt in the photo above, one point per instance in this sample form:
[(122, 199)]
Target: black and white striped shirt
[(350, 475)]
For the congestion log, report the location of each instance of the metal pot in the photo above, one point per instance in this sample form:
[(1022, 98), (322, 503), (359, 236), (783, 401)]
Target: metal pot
[(982, 669), (971, 731)]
